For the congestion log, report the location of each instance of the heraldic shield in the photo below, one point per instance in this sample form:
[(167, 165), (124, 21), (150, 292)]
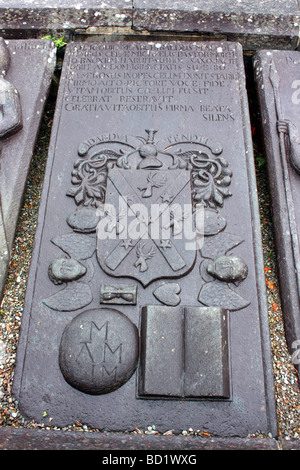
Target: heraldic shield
[(146, 222), (146, 199)]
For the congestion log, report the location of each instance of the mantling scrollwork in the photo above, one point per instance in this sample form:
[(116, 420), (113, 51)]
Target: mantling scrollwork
[(89, 177), (210, 177), (210, 183)]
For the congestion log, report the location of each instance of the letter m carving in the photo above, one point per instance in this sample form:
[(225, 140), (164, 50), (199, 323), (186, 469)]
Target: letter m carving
[(112, 354)]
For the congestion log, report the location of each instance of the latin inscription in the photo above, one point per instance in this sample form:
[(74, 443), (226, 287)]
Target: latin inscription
[(151, 77)]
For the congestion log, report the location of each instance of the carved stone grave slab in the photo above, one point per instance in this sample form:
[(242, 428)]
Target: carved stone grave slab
[(146, 295), (278, 86), (21, 106)]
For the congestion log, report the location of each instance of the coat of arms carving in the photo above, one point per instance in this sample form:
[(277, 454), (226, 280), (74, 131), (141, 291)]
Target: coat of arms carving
[(150, 204), (145, 198)]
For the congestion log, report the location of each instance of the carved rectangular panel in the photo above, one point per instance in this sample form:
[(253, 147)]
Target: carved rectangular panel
[(189, 347), (278, 87), (149, 203)]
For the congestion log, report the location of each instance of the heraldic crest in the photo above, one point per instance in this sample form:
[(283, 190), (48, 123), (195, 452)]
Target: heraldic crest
[(141, 198)]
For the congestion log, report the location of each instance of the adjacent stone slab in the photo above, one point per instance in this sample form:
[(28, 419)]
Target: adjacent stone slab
[(278, 85), (29, 16), (28, 59), (254, 23), (154, 137)]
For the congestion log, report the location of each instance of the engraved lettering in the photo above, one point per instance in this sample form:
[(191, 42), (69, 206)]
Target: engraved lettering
[(149, 79)]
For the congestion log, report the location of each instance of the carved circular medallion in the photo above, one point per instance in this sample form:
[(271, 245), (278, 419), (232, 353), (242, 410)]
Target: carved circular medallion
[(99, 351)]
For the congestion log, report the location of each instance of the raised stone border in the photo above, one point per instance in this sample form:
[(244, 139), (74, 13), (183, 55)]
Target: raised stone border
[(31, 439), (254, 24)]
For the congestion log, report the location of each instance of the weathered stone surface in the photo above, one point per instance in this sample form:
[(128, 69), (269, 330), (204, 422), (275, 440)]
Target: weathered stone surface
[(139, 127), (31, 16), (31, 58), (253, 23), (277, 78)]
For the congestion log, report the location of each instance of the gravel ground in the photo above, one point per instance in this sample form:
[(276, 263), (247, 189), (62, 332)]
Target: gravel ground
[(285, 377)]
